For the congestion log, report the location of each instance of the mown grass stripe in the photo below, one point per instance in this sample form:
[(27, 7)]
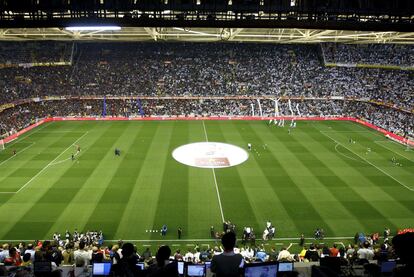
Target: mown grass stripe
[(236, 203), (86, 198), (109, 208), (36, 158), (172, 208), (26, 203), (143, 200), (298, 205), (307, 170), (372, 186), (258, 189), (361, 210), (41, 217), (191, 198), (204, 210), (396, 150)]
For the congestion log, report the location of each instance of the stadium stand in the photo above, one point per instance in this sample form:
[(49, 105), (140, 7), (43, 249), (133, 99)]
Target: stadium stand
[(369, 54), (228, 79), (23, 54), (178, 69), (226, 70)]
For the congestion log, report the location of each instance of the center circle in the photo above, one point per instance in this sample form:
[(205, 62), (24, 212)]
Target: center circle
[(210, 155)]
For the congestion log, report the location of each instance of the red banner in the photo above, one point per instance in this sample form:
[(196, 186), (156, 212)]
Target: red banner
[(406, 230)]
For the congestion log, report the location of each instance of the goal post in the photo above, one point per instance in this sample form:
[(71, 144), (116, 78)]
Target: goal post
[(1, 144)]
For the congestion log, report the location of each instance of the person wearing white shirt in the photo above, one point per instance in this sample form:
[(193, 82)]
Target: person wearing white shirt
[(31, 251), (284, 255), (250, 253), (4, 253), (81, 256), (189, 256), (365, 252), (197, 257)]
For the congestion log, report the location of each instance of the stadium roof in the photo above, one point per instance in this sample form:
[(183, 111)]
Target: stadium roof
[(271, 35)]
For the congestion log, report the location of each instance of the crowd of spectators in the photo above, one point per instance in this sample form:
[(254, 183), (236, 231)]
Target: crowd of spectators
[(196, 69), (89, 237), (26, 53), (224, 259), (214, 69), (371, 54), (14, 119)]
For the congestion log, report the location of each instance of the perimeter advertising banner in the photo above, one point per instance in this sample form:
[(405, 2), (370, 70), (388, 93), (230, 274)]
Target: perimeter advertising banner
[(390, 135)]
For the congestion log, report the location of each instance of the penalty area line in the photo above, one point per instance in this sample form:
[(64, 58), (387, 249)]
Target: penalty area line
[(346, 156), (20, 138), (383, 171), (49, 164), (215, 179), (21, 151), (380, 143), (65, 160)]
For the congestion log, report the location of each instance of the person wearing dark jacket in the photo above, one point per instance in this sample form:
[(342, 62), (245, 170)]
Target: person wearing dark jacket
[(228, 263), (127, 264), (312, 254), (164, 267), (403, 246)]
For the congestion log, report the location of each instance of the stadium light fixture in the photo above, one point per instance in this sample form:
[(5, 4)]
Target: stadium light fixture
[(196, 32), (93, 28)]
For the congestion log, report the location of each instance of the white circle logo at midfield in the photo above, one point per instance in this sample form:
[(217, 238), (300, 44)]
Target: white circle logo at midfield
[(210, 155)]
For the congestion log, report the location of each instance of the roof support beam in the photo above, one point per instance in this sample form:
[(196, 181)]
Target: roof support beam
[(152, 32), (273, 35), (234, 33)]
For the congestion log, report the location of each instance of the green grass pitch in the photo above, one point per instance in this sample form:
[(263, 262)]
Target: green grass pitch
[(313, 177)]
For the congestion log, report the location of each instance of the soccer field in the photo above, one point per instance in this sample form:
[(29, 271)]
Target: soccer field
[(311, 178)]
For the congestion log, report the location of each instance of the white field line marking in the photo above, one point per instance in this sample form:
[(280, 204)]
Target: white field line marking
[(195, 240), (215, 179), (346, 156), (382, 145), (383, 171), (373, 132), (12, 192), (332, 131), (43, 169), (61, 132), (62, 161), (37, 129), (24, 149)]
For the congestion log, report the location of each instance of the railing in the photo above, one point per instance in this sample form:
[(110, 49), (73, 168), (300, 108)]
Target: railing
[(260, 14)]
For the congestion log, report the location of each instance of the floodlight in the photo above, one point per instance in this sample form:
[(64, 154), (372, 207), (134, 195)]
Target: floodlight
[(93, 28)]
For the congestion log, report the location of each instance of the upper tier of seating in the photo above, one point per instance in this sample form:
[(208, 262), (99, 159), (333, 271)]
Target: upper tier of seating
[(369, 54), (214, 69)]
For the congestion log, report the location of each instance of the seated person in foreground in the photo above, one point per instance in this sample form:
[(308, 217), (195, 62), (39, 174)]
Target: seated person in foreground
[(227, 263)]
